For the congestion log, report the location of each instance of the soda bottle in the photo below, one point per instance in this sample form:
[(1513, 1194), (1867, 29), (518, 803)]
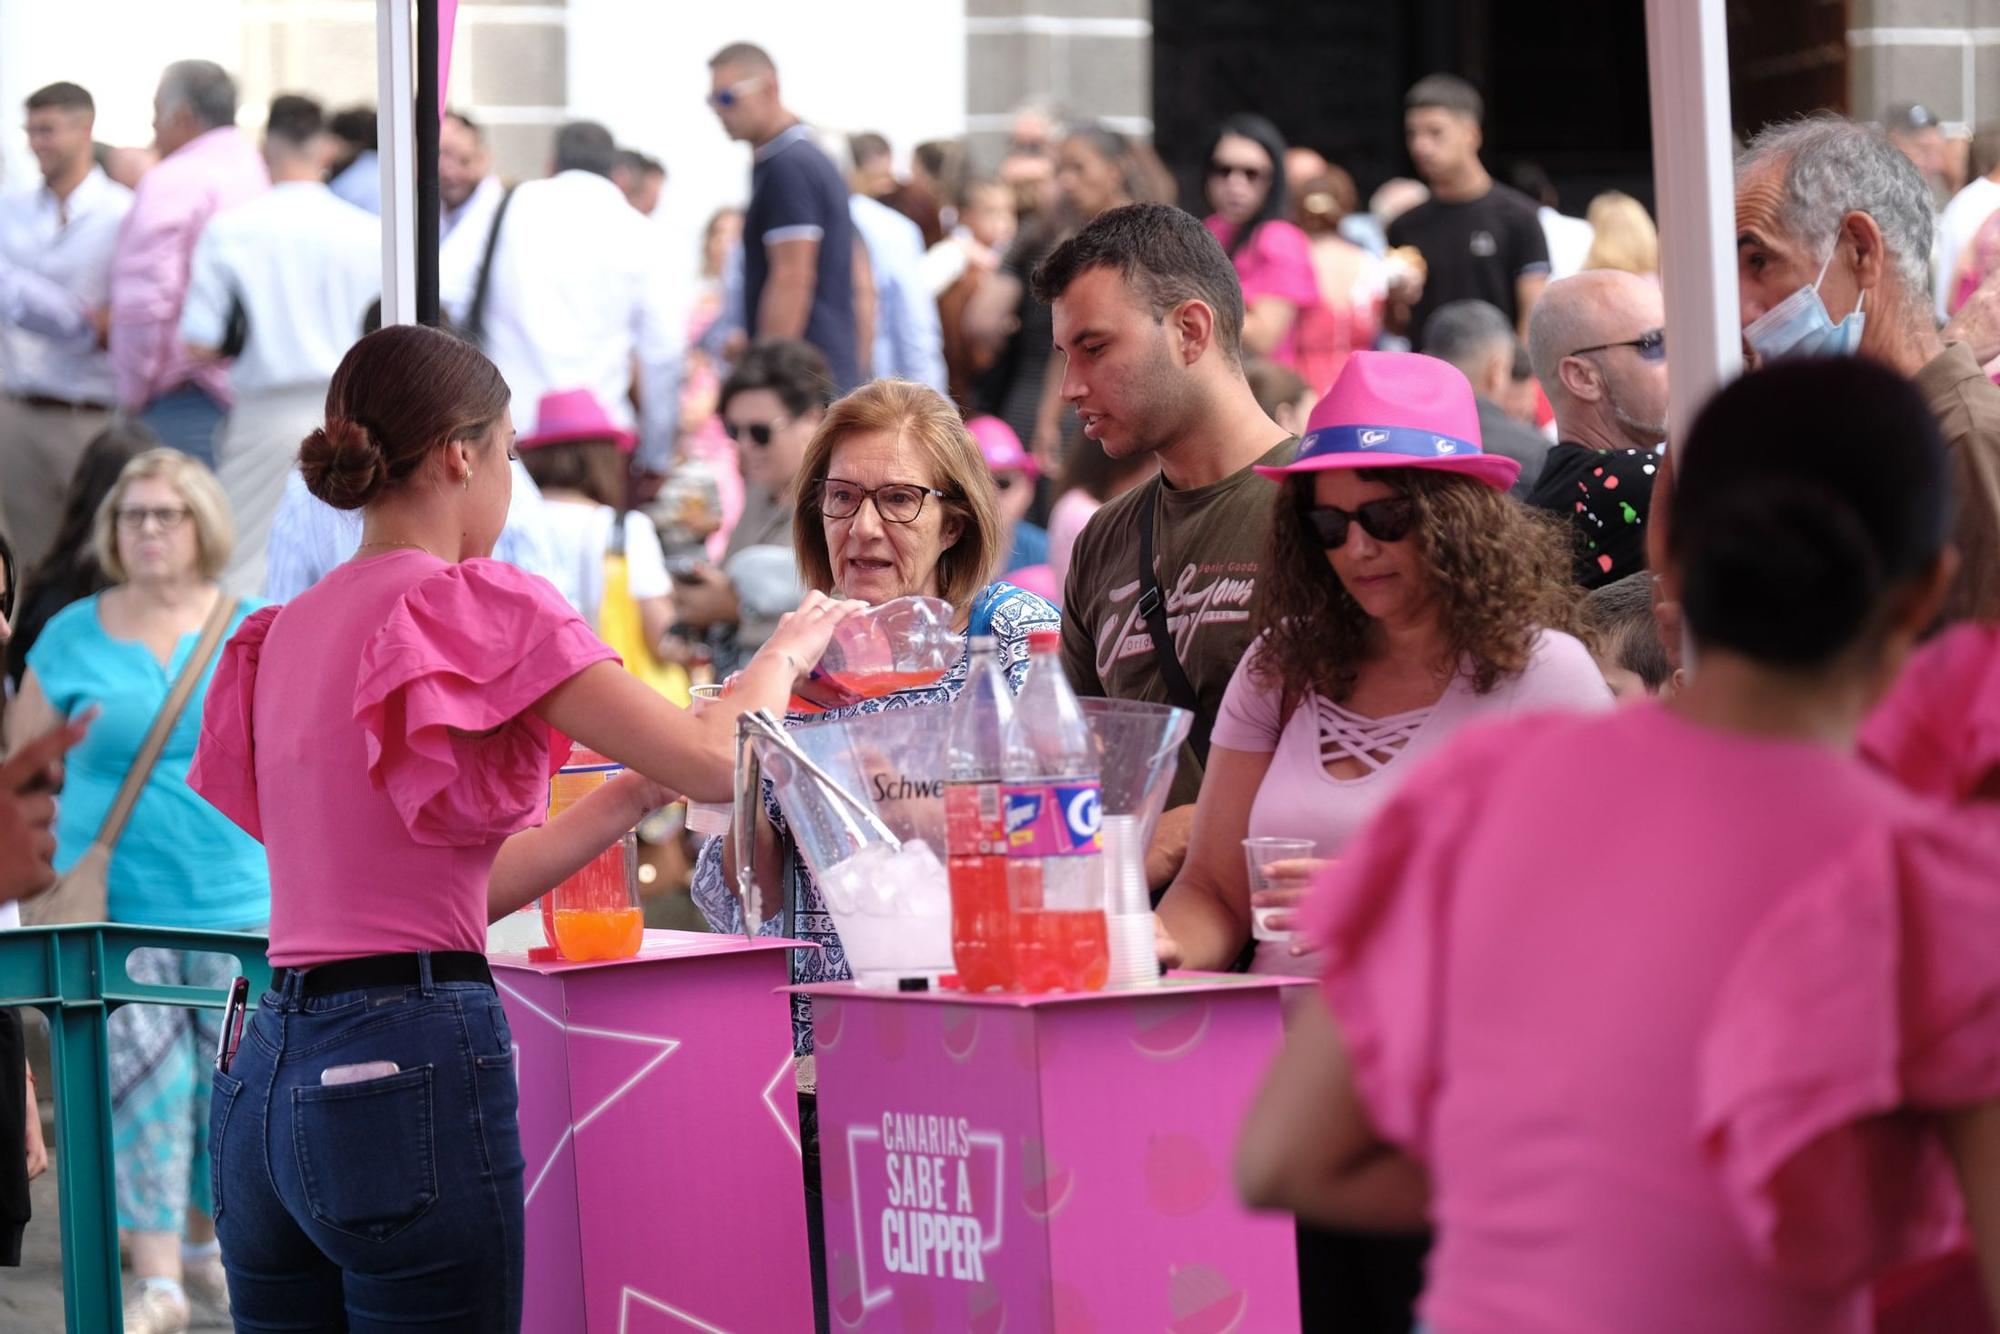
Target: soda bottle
[(982, 926), (1053, 809)]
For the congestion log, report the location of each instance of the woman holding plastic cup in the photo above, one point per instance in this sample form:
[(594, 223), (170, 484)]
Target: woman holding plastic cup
[(388, 736), (1403, 598), (895, 500)]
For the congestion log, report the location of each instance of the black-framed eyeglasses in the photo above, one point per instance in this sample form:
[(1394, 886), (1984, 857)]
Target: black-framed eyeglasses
[(1221, 170), (135, 518), (760, 433), (898, 502), (7, 580), (1650, 345), (724, 98), (1389, 519)]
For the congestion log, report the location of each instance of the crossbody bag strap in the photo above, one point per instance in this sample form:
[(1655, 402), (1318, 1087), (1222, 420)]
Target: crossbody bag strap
[(212, 631), (475, 315), (1153, 610)]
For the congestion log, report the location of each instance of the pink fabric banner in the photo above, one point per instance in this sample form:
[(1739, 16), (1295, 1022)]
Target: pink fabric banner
[(447, 24)]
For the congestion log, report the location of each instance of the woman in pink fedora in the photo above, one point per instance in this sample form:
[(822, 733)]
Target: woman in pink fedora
[(1405, 597)]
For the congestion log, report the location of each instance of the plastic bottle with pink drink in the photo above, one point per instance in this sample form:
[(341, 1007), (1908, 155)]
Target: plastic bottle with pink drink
[(982, 920)]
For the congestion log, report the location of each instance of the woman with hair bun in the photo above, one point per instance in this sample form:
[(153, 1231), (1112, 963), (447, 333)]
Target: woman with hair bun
[(388, 736), (1707, 1058)]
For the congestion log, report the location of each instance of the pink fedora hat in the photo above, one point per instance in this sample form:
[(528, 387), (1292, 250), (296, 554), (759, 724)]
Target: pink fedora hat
[(1001, 448), (565, 416), (1398, 410)]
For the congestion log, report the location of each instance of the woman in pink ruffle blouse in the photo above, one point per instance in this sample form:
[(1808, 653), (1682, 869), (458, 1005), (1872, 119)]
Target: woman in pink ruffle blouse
[(389, 737), (1709, 1049)]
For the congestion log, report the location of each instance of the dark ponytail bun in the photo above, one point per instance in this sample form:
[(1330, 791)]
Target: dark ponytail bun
[(1806, 495), (343, 464), (1783, 570)]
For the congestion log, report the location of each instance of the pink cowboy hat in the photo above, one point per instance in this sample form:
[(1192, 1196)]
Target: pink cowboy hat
[(565, 416), (1398, 410), (1001, 448)]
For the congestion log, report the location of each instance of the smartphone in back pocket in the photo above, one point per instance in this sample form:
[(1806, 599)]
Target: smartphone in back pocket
[(357, 1074)]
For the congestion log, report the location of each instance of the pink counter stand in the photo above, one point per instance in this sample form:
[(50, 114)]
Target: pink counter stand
[(659, 1121), (1048, 1164)]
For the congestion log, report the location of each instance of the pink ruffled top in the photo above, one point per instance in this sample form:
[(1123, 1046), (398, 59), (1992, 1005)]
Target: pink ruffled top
[(374, 735), (1938, 730), (1655, 1049)]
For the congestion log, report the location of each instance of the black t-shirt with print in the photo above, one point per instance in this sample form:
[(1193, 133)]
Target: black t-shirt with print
[(1603, 495), (1473, 249)]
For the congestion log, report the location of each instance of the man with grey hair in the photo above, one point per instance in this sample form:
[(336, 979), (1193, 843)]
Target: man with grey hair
[(1599, 346), (206, 165), (1475, 337), (1833, 246)]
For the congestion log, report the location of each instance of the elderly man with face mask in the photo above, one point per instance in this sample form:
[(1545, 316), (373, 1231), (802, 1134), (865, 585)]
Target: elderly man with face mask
[(1833, 243)]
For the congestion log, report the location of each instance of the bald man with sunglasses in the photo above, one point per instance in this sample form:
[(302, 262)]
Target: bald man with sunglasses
[(1599, 347)]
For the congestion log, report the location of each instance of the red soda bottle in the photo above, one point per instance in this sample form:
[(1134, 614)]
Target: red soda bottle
[(982, 921)]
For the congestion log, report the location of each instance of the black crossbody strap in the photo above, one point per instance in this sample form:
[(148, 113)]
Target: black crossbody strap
[(1153, 610), (475, 315)]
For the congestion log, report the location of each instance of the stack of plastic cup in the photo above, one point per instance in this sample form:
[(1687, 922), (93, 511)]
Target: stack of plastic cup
[(1128, 911), (708, 818)]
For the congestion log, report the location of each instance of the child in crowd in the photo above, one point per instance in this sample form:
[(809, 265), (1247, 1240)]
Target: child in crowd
[(1628, 648)]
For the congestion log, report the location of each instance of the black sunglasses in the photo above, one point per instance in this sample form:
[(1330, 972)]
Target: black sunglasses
[(760, 433), (1650, 345), (1218, 170), (1387, 520)]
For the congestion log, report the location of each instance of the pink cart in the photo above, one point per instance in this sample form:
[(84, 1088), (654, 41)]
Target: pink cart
[(1047, 1164), (659, 1120)]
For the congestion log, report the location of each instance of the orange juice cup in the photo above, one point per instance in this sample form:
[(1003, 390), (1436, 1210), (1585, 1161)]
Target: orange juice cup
[(594, 914)]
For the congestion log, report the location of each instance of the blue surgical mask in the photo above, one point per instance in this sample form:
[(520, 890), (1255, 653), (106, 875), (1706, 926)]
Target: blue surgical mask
[(1799, 326)]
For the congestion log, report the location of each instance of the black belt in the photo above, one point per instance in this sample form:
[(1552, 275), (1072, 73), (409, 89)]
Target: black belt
[(60, 404), (384, 970)]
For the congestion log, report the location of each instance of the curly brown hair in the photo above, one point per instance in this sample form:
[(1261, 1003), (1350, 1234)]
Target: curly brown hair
[(1501, 573)]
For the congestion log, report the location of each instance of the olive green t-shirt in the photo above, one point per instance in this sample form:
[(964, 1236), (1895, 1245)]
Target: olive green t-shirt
[(1208, 544)]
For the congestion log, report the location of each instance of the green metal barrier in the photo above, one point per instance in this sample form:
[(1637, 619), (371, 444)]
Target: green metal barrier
[(76, 975)]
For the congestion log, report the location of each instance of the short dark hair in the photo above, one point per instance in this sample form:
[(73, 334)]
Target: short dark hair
[(584, 145), (865, 145), (61, 97), (1620, 616), (204, 88), (1806, 495), (1272, 385), (743, 55), (355, 125), (1465, 332), (1533, 180), (1162, 252), (1448, 92), (467, 121), (632, 160), (294, 120), (791, 368)]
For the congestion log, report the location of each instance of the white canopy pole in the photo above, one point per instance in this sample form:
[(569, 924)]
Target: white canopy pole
[(1694, 189), (396, 148)]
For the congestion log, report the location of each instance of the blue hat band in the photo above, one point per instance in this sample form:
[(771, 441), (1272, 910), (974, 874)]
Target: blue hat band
[(1398, 440)]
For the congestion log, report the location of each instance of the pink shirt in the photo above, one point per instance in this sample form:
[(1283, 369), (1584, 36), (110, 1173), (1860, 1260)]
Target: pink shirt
[(334, 733), (1938, 729), (1277, 261), (149, 269), (1649, 1040)]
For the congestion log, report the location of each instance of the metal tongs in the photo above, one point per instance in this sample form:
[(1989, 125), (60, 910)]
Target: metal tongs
[(762, 724)]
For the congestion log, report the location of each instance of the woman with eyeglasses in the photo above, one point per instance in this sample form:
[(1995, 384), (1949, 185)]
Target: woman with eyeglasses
[(161, 536), (1273, 258), (769, 406)]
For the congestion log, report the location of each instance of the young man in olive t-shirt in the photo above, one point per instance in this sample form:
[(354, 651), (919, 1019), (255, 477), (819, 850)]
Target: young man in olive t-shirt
[(1148, 330)]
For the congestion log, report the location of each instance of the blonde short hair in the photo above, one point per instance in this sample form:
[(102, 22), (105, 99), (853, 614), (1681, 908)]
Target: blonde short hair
[(1624, 236), (214, 530), (922, 415)]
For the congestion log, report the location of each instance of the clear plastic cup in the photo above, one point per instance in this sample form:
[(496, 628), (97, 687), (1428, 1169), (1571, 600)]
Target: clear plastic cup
[(595, 913), (902, 644), (708, 818), (1260, 853)]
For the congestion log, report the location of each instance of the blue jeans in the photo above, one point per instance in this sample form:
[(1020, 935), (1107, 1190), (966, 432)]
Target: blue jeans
[(390, 1204), (186, 419)]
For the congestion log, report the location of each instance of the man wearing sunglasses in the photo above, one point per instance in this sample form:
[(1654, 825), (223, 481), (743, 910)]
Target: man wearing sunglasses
[(1600, 350), (799, 243)]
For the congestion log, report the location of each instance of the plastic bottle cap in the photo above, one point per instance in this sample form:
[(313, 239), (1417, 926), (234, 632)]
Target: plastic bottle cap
[(1044, 641)]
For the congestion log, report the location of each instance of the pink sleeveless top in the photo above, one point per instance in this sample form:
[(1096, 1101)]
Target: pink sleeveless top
[(335, 730)]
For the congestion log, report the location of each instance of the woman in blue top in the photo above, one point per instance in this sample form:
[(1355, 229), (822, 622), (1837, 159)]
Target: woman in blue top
[(895, 500), (163, 534)]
